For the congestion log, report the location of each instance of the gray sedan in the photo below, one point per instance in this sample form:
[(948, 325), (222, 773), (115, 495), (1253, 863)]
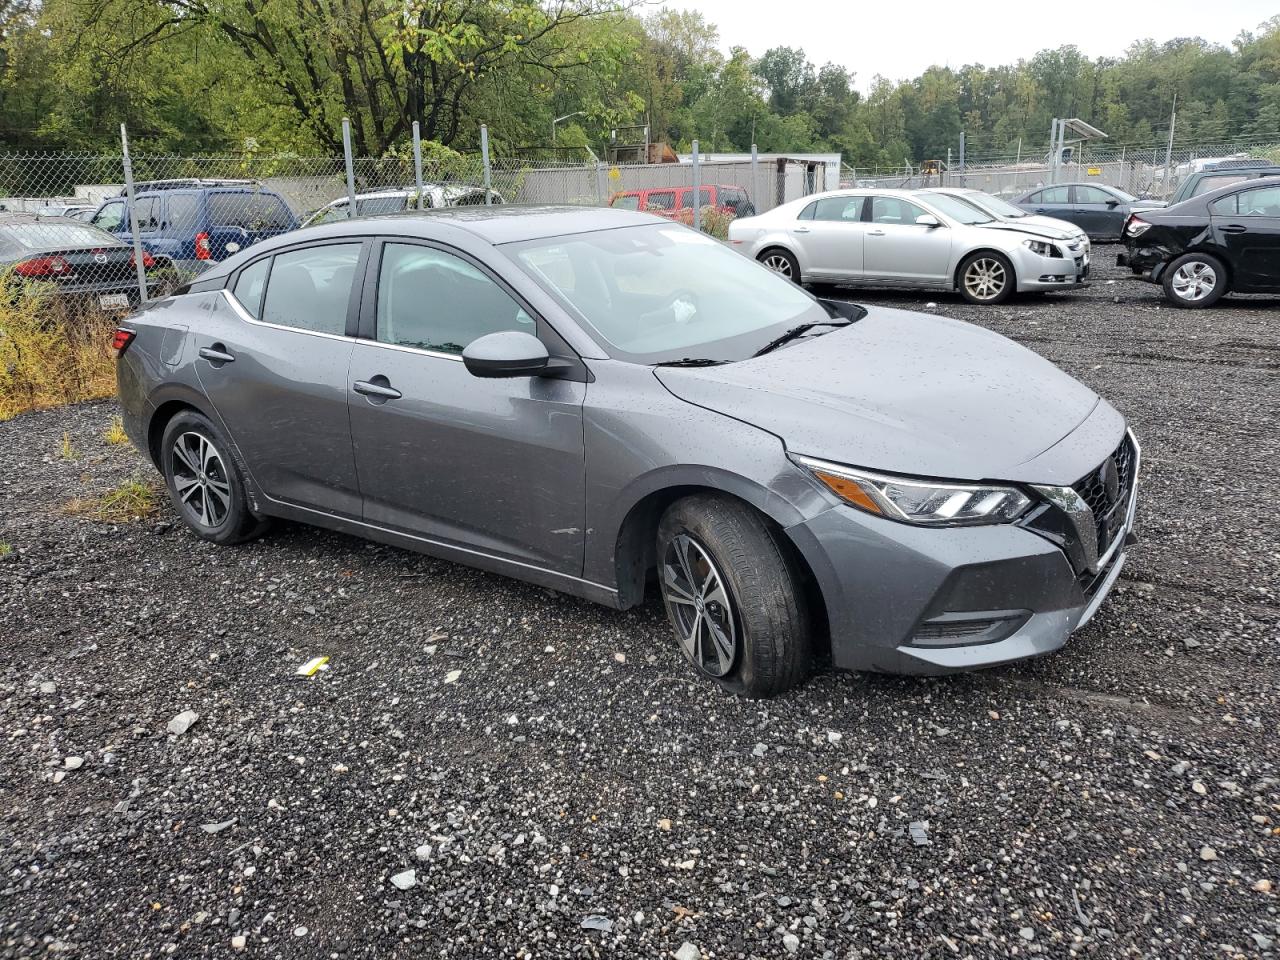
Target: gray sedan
[(602, 401), (1096, 208)]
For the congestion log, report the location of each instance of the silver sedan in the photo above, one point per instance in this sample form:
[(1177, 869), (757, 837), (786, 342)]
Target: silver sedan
[(909, 238)]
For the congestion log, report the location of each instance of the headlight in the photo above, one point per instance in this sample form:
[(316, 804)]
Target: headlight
[(1042, 248), (919, 501)]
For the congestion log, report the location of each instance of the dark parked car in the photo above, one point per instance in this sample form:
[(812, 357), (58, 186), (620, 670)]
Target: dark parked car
[(1097, 209), (1218, 175), (74, 260), (598, 399), (195, 223), (1222, 242)]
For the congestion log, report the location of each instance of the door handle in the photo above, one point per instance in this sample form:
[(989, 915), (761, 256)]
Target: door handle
[(1233, 228), (800, 230), (216, 354), (373, 389), (875, 233)]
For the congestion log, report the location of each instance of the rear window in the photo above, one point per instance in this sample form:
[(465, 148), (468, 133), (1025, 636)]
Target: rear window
[(49, 235), (252, 211), (378, 206)]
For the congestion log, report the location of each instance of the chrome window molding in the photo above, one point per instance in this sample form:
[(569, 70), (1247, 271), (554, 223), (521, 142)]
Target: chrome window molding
[(247, 317)]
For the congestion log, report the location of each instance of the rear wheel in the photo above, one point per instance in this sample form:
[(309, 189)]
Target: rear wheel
[(782, 262), (987, 277), (204, 483), (1195, 280), (734, 596)]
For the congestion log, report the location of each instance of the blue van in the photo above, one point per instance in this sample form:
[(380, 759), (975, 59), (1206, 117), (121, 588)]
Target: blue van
[(196, 223)]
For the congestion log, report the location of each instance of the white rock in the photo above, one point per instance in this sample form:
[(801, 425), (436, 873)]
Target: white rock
[(182, 722), (48, 687), (791, 942), (423, 852), (239, 942), (687, 951), (299, 931), (73, 763), (406, 880), (1208, 853), (452, 676)]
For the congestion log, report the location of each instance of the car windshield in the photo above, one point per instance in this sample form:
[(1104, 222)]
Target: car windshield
[(956, 209), (994, 205), (662, 293)]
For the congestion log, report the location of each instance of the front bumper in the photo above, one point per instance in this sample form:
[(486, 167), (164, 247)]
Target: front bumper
[(1035, 272), (915, 600)]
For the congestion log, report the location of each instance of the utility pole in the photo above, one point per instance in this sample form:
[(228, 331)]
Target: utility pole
[(1053, 150), (1168, 153)]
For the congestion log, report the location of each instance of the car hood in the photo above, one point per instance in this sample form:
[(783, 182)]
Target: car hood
[(1037, 222), (1046, 231), (904, 393)]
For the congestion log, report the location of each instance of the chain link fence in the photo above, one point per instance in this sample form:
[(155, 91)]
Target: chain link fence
[(180, 214)]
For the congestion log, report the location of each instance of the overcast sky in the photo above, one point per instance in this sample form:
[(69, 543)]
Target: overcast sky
[(901, 39)]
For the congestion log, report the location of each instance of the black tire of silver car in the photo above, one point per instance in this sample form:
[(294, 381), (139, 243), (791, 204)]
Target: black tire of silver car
[(734, 595), (986, 277), (1194, 281), (781, 262), (204, 483)]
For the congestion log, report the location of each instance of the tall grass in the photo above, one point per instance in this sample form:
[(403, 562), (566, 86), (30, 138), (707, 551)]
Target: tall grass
[(52, 352)]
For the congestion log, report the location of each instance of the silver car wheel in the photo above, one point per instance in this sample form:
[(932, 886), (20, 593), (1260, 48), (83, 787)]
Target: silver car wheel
[(700, 606), (985, 278), (200, 479), (1194, 281), (778, 264)]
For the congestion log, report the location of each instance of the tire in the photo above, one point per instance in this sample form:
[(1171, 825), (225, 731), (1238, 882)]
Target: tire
[(204, 483), (781, 262), (1194, 281), (979, 271), (735, 601)]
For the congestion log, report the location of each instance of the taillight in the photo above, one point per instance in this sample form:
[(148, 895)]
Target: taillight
[(42, 267), (202, 247), (148, 261), (1135, 226), (120, 340)]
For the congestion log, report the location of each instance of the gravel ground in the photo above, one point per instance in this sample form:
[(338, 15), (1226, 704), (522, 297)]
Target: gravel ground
[(537, 761)]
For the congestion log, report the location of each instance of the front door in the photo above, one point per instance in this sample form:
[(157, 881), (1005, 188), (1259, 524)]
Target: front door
[(898, 248), (496, 466), (829, 237), (272, 358), (1247, 226), (1099, 213)]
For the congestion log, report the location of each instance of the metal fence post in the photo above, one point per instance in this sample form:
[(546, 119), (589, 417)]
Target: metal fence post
[(697, 190), (351, 170), (601, 193), (417, 163), (484, 157), (755, 169), (139, 266)]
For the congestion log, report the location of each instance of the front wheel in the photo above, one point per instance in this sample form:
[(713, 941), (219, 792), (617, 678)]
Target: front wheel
[(734, 596), (987, 278), (1195, 280)]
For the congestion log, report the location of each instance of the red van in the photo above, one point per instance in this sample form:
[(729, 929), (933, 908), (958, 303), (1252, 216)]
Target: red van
[(670, 201)]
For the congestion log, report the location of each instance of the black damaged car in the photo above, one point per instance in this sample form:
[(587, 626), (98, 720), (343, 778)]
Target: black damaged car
[(1227, 241)]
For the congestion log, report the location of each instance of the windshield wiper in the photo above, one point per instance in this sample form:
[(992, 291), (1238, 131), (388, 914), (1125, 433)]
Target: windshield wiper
[(798, 331), (691, 362)]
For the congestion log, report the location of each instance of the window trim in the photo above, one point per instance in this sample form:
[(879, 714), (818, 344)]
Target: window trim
[(367, 329), (353, 300), (1236, 197)]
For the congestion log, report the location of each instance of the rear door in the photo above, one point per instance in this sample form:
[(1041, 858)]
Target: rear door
[(273, 358), (1053, 202), (1246, 225), (829, 238), (490, 465), (898, 248)]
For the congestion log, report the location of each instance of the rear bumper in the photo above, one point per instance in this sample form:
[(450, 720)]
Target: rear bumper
[(1146, 263)]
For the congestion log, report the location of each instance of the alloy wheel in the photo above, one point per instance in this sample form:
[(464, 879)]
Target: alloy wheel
[(700, 606), (778, 264), (1194, 281), (200, 479), (985, 278)]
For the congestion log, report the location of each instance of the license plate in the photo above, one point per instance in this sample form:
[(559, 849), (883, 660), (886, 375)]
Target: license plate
[(114, 301)]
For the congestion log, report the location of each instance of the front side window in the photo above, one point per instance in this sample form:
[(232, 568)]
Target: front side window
[(250, 284), (432, 300), (110, 216), (894, 210), (149, 212), (660, 200), (310, 288), (1260, 202), (837, 208), (960, 210), (184, 213), (659, 293), (1085, 194)]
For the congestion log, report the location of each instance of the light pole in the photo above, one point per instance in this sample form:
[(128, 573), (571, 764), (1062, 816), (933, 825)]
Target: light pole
[(576, 113)]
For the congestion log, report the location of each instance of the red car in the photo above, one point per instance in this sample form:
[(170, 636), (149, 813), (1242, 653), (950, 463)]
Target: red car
[(671, 201)]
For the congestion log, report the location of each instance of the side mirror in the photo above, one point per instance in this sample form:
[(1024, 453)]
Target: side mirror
[(510, 353), (928, 220), (1113, 204)]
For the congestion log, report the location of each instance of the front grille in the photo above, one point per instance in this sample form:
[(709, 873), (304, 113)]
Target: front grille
[(1107, 491)]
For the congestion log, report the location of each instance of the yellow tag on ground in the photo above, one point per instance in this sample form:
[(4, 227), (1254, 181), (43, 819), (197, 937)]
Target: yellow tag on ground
[(310, 668)]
